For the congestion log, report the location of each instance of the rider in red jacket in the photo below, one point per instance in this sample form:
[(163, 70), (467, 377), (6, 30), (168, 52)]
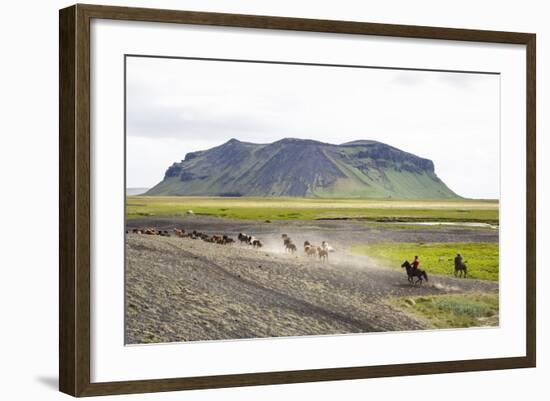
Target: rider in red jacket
[(416, 262)]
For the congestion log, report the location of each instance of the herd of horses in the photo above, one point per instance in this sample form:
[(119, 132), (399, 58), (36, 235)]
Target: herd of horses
[(309, 249), (221, 239), (415, 275)]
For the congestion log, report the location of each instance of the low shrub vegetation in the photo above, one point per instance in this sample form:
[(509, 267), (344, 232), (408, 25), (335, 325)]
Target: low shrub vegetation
[(452, 311)]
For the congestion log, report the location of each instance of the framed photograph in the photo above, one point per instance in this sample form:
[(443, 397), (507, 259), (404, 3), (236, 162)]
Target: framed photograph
[(250, 200)]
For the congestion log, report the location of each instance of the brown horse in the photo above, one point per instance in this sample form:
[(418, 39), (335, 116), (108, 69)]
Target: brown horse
[(310, 250), (323, 254)]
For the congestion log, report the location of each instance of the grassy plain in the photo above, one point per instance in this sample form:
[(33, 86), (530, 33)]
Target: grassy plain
[(309, 209), (482, 258), (452, 311)]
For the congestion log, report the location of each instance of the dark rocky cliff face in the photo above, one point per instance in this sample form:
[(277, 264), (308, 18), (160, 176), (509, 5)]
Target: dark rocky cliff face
[(297, 167)]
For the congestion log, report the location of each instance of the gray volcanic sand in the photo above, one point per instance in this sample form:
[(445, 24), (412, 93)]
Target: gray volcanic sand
[(179, 289)]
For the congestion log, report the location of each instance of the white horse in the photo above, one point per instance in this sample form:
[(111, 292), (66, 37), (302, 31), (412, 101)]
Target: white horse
[(326, 247)]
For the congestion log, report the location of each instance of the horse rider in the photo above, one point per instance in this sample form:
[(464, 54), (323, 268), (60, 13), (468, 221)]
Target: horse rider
[(416, 263), (458, 261)]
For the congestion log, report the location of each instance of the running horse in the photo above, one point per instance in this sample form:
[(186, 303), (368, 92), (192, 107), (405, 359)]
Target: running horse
[(412, 273)]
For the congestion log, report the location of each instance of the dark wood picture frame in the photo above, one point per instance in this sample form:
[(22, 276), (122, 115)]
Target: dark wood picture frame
[(74, 199)]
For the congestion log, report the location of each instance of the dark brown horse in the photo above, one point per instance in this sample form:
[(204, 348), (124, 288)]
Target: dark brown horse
[(461, 270), (412, 273), (290, 247)]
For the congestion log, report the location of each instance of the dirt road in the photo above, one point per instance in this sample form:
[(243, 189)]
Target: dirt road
[(189, 290)]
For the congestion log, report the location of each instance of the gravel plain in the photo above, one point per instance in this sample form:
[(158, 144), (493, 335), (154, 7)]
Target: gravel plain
[(180, 289)]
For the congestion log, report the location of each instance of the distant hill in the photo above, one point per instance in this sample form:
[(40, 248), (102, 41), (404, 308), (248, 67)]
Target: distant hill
[(136, 191), (306, 168)]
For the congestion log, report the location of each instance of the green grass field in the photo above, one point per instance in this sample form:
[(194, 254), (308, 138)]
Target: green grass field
[(310, 209), (437, 258), (452, 311)]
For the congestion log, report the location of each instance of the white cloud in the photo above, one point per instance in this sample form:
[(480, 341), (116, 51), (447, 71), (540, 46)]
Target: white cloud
[(177, 106)]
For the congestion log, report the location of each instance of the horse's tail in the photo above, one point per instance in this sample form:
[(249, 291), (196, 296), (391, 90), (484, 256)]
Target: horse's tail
[(425, 275)]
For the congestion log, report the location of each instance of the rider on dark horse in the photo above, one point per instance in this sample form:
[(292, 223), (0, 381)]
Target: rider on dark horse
[(413, 270), (460, 268)]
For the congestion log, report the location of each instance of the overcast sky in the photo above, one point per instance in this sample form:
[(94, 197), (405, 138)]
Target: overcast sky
[(178, 106)]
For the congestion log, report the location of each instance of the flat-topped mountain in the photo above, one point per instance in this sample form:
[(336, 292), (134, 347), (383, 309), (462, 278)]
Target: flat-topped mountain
[(303, 167)]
